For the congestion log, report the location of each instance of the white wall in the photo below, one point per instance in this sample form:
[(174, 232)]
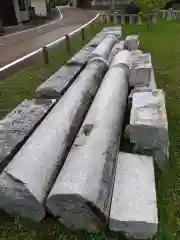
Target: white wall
[(21, 15), (39, 7), (17, 11)]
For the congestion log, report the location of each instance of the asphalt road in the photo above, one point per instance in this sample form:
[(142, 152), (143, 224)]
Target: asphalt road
[(15, 46)]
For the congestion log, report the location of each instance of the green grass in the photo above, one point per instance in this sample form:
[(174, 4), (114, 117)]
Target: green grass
[(163, 41)]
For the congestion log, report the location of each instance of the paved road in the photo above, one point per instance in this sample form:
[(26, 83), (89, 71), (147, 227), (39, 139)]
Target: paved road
[(16, 46)]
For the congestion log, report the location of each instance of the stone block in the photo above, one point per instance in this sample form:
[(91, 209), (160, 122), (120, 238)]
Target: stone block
[(132, 42), (102, 50), (81, 195), (116, 31), (152, 86), (27, 180), (117, 47), (140, 70), (148, 127), (16, 127), (134, 205), (61, 80)]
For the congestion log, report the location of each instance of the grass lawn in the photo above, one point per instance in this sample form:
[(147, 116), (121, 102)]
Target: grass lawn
[(163, 41)]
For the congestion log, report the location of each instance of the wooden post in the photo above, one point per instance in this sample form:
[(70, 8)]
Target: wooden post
[(92, 27), (45, 55), (83, 34), (68, 45)]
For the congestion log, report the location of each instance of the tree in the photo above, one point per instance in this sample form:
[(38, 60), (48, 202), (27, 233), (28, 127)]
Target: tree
[(149, 7)]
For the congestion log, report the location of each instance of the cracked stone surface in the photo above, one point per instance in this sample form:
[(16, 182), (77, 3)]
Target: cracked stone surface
[(148, 127), (132, 42), (117, 47), (81, 195), (134, 204), (61, 80), (19, 124), (102, 50), (152, 86), (140, 70), (26, 181), (116, 31)]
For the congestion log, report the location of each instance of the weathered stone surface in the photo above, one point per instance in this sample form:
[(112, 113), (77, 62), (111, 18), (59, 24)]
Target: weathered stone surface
[(81, 195), (140, 70), (26, 181), (148, 127), (117, 47), (81, 57), (96, 40), (134, 206), (116, 31), (16, 127), (132, 42), (60, 81), (102, 50), (152, 86), (123, 61)]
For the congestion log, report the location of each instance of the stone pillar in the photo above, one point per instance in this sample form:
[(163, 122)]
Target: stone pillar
[(154, 18), (169, 15), (107, 18), (81, 195), (139, 19), (101, 18), (115, 18), (131, 17), (122, 19), (17, 11), (28, 178), (163, 14)]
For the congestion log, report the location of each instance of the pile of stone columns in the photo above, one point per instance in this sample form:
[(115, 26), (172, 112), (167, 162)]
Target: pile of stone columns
[(60, 152)]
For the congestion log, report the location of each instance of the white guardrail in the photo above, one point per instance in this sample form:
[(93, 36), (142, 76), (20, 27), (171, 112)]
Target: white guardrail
[(13, 66)]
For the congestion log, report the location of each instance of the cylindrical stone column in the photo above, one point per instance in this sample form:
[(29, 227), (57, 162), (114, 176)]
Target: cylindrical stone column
[(102, 50), (26, 181), (122, 19), (139, 19), (169, 14), (81, 195)]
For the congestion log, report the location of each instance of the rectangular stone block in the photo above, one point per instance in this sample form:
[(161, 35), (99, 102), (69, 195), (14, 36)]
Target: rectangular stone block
[(117, 47), (116, 31), (152, 86), (19, 124), (59, 82), (134, 205), (140, 70), (148, 127), (132, 42)]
